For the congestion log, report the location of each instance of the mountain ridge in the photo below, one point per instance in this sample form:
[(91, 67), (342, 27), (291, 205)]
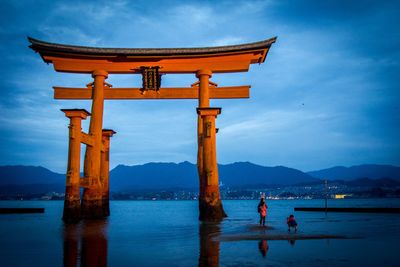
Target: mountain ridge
[(184, 175), (373, 171), (166, 175)]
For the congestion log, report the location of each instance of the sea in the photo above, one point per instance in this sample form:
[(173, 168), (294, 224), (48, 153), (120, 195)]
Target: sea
[(168, 233)]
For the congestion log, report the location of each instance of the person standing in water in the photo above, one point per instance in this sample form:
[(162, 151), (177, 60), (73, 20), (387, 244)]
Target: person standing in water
[(262, 209)]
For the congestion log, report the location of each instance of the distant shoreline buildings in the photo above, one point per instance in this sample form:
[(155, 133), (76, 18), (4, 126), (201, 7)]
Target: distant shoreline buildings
[(335, 191)]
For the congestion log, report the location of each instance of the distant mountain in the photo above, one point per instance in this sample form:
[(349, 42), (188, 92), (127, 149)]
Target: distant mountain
[(162, 176), (24, 175), (154, 176), (246, 173), (184, 175), (30, 180), (360, 182), (372, 171)]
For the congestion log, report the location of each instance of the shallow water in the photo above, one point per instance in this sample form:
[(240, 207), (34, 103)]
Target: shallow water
[(167, 233)]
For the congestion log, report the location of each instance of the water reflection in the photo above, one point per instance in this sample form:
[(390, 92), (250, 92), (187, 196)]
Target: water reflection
[(85, 242), (263, 247), (209, 247)]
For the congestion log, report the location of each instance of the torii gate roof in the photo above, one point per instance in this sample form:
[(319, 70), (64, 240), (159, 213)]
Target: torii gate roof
[(84, 59)]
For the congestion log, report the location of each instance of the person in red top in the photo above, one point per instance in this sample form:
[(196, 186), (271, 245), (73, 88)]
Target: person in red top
[(291, 222), (262, 209)]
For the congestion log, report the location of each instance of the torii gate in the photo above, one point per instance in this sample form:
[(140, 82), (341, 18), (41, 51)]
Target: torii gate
[(150, 63)]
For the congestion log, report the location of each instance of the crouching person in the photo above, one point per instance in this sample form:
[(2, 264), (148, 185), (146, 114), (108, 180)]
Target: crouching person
[(291, 222)]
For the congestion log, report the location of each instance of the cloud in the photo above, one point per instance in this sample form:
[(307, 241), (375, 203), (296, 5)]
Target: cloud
[(196, 14), (62, 33), (229, 40)]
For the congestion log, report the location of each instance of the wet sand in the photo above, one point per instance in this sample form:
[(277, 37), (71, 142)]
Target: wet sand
[(268, 236), (256, 232)]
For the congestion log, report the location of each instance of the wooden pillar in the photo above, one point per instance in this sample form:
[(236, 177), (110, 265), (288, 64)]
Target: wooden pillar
[(204, 102), (105, 171), (72, 203), (92, 195), (210, 204)]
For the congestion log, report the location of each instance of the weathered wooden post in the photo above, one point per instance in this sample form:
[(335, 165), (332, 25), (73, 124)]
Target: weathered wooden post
[(105, 171), (210, 204), (204, 102), (92, 195), (72, 202)]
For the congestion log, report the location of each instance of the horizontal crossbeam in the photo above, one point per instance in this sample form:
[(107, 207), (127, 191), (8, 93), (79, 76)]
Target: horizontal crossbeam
[(86, 139), (84, 182), (163, 93)]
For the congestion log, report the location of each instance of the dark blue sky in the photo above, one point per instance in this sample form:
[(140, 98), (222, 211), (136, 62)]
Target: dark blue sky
[(328, 93)]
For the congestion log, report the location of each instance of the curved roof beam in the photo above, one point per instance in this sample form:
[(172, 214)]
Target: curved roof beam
[(218, 59), (43, 47)]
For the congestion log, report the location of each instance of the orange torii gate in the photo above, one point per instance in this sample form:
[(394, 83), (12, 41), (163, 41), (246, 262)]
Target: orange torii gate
[(151, 63)]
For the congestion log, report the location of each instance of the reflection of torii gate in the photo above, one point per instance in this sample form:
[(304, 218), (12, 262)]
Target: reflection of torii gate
[(151, 63)]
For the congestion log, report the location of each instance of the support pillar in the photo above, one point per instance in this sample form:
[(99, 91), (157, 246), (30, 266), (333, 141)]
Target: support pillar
[(72, 203), (105, 171), (204, 102), (210, 204), (92, 195)]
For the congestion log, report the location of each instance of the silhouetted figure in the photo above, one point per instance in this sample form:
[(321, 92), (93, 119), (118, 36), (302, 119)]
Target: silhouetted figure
[(263, 247), (262, 209), (291, 222), (209, 248)]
